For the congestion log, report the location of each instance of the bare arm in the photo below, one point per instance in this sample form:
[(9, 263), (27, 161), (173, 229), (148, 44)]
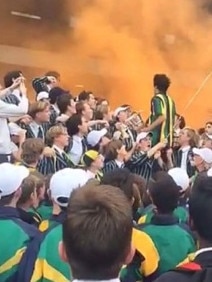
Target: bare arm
[(130, 153), (157, 122), (9, 110), (17, 153), (170, 163), (157, 156), (156, 148), (5, 92), (9, 90), (158, 112), (26, 119)]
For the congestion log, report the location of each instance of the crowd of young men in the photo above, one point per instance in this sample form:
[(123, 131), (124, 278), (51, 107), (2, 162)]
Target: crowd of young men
[(90, 194)]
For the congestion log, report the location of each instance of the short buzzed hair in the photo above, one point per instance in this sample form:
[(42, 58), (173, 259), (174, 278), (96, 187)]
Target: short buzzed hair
[(164, 193), (97, 232)]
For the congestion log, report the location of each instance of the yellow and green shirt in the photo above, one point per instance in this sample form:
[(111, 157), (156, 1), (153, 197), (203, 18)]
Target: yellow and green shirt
[(162, 104)]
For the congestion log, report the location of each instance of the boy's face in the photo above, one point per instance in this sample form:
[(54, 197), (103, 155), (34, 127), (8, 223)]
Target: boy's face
[(84, 126), (92, 101), (72, 107), (122, 116), (87, 112), (34, 199), (129, 112), (122, 151), (145, 144), (183, 138), (15, 139), (156, 91), (41, 193), (208, 129), (206, 143), (44, 115), (197, 160), (63, 138), (104, 141), (99, 162)]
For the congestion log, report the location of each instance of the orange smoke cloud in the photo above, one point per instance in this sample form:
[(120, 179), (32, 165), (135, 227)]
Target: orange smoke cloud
[(128, 42), (115, 48)]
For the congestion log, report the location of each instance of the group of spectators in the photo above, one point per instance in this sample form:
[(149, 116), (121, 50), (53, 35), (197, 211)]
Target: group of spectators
[(91, 194)]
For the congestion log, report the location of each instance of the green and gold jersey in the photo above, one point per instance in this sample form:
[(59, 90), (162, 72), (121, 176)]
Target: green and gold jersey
[(162, 104)]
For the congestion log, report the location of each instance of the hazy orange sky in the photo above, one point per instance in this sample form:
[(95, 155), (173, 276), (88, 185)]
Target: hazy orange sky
[(116, 47)]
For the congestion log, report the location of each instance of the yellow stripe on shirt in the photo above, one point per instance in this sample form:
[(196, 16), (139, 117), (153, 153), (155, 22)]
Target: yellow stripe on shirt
[(171, 122), (142, 219), (189, 258), (43, 269), (12, 261), (163, 108), (145, 246), (44, 225)]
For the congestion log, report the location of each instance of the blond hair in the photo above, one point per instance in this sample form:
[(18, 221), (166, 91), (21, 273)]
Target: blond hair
[(194, 137), (37, 107), (54, 132)]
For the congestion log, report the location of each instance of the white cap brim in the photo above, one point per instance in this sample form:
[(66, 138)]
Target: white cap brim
[(142, 136), (64, 182), (119, 109), (204, 153), (42, 95), (209, 136), (95, 136), (180, 177), (11, 178)]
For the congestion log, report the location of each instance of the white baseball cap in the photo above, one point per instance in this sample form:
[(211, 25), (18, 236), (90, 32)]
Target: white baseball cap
[(42, 95), (180, 177), (64, 182), (11, 178), (209, 136), (119, 109), (14, 128), (95, 136), (204, 153), (142, 135)]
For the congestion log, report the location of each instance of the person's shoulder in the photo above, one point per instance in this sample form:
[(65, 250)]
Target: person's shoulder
[(146, 249), (140, 237), (54, 233), (157, 100), (158, 97), (185, 228), (29, 229), (51, 238), (174, 276), (139, 154)]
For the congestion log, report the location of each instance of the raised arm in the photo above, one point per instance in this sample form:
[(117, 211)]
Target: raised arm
[(9, 110)]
